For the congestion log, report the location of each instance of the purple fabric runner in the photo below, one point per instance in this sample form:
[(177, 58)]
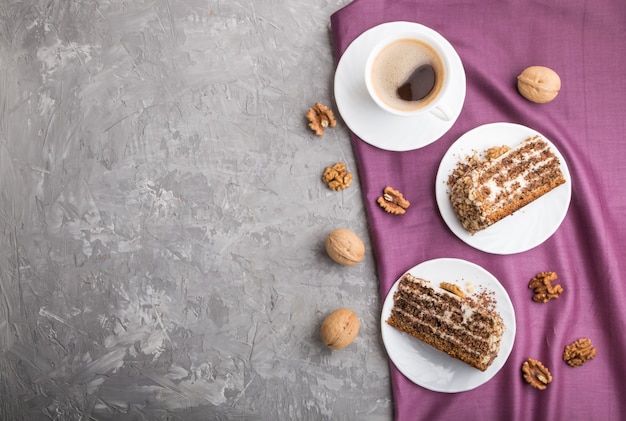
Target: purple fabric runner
[(585, 43)]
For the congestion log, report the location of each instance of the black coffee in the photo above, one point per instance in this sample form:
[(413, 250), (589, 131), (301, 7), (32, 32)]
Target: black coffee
[(407, 74), (419, 84)]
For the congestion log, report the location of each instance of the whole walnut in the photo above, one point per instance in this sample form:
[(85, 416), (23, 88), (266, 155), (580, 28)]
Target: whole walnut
[(539, 84), (345, 247), (340, 328)]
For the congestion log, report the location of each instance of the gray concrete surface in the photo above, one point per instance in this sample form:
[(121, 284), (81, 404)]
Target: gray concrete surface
[(162, 217)]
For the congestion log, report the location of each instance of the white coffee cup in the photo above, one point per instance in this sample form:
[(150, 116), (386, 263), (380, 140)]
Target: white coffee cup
[(395, 60)]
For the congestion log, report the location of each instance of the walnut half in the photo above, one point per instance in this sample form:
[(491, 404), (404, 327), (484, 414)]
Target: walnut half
[(579, 352), (496, 151), (320, 117), (392, 201), (454, 289), (536, 374), (543, 288), (337, 177)]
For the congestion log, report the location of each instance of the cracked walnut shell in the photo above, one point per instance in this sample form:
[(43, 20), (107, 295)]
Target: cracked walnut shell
[(340, 328), (392, 201), (579, 352), (337, 177), (536, 374), (543, 288), (320, 117)]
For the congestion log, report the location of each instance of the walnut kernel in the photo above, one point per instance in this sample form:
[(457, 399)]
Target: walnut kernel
[(340, 328), (536, 374), (454, 289), (543, 288), (392, 201), (345, 247), (320, 117), (539, 84), (579, 352), (337, 176), (496, 151)]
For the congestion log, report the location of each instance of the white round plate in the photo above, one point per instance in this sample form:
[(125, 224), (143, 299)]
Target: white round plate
[(368, 121), (526, 228), (428, 367)]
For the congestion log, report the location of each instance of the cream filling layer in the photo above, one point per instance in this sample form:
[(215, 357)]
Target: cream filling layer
[(509, 185)]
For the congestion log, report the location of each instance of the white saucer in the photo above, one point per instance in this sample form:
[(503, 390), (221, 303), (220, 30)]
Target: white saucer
[(525, 229), (429, 367), (377, 127)]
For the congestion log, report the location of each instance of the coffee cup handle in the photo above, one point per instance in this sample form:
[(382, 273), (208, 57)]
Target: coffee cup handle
[(441, 113)]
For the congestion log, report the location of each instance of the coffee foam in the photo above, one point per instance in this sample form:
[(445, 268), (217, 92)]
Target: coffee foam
[(395, 63)]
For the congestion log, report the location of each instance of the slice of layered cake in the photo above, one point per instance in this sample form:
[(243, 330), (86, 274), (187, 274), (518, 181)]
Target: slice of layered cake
[(465, 327), (483, 192)]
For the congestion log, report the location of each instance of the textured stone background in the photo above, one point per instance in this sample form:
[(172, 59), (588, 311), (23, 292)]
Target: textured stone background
[(162, 216)]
